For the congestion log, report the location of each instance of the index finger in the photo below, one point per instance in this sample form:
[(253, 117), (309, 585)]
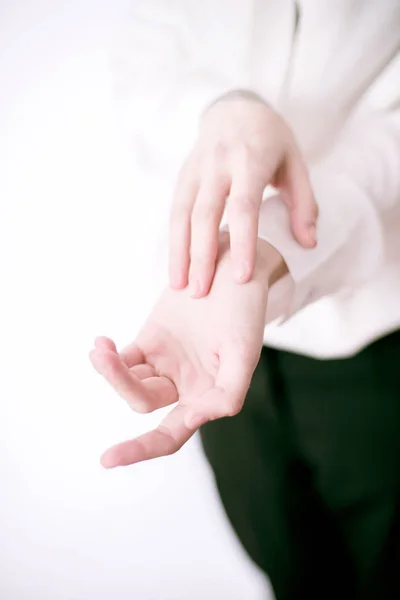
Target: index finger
[(179, 236), (243, 211), (231, 385)]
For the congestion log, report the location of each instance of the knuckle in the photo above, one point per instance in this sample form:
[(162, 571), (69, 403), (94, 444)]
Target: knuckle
[(234, 408), (243, 152), (218, 150), (242, 208), (243, 203), (213, 182), (204, 214), (211, 154), (218, 185)]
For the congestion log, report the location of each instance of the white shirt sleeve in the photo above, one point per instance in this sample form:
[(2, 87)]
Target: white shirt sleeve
[(355, 184)]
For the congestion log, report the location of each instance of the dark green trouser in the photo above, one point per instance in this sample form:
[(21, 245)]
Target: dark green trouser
[(309, 473)]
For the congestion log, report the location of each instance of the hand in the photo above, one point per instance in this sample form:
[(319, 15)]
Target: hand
[(198, 353), (243, 146)]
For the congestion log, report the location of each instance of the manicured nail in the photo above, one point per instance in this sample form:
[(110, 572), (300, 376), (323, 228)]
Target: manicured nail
[(241, 271), (195, 288)]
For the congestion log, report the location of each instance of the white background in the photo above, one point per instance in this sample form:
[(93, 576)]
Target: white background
[(80, 231)]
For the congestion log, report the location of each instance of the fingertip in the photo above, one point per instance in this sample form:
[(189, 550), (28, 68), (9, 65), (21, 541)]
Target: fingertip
[(105, 343), (194, 288), (306, 241), (312, 230), (202, 294), (95, 360), (104, 361), (310, 235), (108, 461), (92, 354), (242, 272), (305, 232), (176, 286), (199, 288), (178, 280)]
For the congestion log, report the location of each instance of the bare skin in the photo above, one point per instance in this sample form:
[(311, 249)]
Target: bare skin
[(243, 145), (200, 354)]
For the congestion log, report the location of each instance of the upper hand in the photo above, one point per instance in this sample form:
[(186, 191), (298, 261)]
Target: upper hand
[(243, 146), (200, 354)]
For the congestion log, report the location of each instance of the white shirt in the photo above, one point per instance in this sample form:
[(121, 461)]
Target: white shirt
[(332, 69)]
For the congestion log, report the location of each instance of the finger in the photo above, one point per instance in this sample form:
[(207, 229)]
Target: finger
[(243, 212), (143, 396), (206, 218), (143, 371), (166, 439), (214, 404), (105, 343), (300, 200), (184, 199), (132, 355), (161, 390), (237, 364)]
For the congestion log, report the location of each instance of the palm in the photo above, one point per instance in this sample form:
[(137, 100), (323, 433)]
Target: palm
[(199, 354)]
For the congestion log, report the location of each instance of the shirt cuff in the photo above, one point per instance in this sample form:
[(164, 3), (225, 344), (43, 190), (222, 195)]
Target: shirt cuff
[(348, 251)]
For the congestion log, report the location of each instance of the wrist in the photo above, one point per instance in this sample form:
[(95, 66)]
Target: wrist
[(233, 95), (271, 263), (228, 113)]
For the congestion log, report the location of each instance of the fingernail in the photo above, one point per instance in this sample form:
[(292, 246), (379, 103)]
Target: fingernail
[(242, 271), (195, 288), (312, 232)]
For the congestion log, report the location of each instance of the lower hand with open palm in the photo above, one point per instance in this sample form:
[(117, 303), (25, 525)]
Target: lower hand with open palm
[(196, 354)]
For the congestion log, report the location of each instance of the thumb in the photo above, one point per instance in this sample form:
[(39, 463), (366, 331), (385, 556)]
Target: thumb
[(226, 398), (299, 197), (214, 404)]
